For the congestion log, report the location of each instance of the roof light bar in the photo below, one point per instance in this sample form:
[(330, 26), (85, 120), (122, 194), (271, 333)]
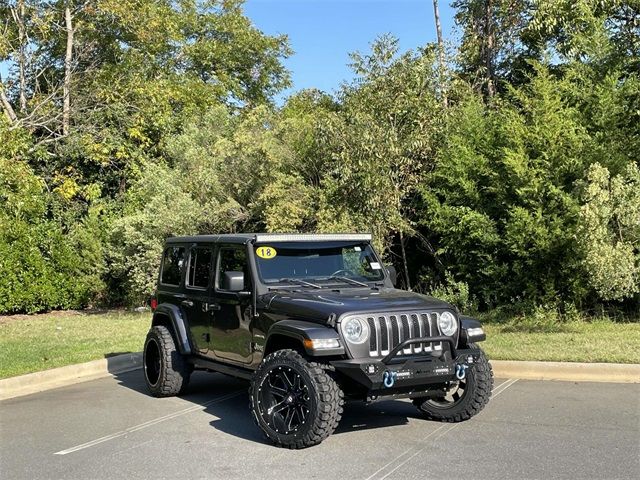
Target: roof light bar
[(311, 237)]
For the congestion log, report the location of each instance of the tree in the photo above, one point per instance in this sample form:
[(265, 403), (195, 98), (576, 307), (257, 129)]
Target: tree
[(610, 232), (382, 141), (436, 14)]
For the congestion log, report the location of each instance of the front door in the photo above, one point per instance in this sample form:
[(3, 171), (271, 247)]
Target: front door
[(231, 336), (198, 296)]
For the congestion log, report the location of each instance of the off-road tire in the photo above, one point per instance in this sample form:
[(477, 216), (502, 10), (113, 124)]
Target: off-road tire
[(478, 392), (166, 371), (326, 398)]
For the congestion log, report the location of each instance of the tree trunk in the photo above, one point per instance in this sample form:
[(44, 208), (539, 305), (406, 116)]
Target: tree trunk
[(489, 34), (404, 262), (22, 56), (6, 105), (66, 91), (443, 91)]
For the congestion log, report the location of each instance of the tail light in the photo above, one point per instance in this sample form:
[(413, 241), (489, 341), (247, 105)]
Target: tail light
[(153, 303)]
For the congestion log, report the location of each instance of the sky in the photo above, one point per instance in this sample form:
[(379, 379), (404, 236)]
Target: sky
[(323, 32)]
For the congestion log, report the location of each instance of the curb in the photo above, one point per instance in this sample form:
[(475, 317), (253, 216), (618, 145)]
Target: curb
[(568, 372), (69, 375), (561, 371)]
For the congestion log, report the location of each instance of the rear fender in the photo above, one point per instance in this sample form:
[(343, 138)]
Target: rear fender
[(177, 323)]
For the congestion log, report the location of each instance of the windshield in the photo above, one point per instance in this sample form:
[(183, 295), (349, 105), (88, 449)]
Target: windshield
[(318, 262)]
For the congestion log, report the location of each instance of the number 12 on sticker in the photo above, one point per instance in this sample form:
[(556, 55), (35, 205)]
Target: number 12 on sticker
[(266, 252)]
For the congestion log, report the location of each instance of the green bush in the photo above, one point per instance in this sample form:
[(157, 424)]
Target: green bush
[(43, 266)]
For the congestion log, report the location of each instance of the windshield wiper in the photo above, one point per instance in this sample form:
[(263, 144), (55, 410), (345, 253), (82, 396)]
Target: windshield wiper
[(348, 280), (297, 281)]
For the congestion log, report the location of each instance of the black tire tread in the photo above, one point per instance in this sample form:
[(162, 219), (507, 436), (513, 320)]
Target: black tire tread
[(483, 386), (175, 371), (329, 398)]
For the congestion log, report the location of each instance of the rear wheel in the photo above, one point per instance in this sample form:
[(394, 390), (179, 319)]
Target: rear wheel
[(464, 398), (166, 371), (294, 402)]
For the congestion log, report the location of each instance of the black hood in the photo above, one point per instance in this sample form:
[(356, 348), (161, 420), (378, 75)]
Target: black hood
[(318, 305)]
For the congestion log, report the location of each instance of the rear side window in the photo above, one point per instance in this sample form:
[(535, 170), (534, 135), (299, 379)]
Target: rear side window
[(172, 265), (199, 270)]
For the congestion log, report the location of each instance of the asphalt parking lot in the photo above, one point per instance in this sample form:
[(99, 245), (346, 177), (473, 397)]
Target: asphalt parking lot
[(110, 428)]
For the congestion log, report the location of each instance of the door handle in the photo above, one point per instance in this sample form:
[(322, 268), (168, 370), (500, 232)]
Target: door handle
[(186, 303), (211, 307)]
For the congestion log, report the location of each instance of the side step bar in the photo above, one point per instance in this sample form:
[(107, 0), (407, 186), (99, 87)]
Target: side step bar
[(207, 364)]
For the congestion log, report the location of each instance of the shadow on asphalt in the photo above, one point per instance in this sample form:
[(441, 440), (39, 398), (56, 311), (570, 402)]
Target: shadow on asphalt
[(233, 416)]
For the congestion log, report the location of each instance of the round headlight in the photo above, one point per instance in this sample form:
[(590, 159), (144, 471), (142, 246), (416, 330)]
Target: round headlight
[(355, 330), (447, 324)]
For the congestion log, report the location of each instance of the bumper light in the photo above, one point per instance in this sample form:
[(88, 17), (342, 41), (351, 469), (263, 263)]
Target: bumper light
[(322, 343)]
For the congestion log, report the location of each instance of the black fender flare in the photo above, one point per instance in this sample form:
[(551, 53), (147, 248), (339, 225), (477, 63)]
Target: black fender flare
[(178, 324), (301, 330), (466, 324)]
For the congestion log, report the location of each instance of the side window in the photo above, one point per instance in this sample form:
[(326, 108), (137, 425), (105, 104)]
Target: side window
[(232, 259), (199, 270), (172, 265)]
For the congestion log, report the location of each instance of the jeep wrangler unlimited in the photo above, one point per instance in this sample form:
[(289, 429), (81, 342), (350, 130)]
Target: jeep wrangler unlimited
[(309, 320)]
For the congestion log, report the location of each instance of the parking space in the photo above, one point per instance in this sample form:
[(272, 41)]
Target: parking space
[(110, 428)]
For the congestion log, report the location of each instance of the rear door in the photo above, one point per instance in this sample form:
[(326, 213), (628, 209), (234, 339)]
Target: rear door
[(231, 336), (171, 283), (197, 304)]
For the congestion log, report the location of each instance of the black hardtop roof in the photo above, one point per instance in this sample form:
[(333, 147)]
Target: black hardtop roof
[(222, 238), (270, 237)]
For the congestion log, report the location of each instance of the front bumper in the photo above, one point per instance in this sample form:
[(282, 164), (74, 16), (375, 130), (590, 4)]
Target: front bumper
[(400, 375)]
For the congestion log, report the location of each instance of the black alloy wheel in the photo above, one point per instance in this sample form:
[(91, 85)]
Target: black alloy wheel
[(464, 398), (296, 403), (152, 364), (283, 400)]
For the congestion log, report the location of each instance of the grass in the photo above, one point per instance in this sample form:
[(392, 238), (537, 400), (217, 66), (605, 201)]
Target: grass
[(598, 341), (30, 343)]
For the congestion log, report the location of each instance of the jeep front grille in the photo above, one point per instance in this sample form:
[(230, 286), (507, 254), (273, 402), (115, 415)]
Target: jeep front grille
[(388, 331)]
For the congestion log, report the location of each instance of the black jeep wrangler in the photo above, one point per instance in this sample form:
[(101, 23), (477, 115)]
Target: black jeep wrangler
[(310, 320)]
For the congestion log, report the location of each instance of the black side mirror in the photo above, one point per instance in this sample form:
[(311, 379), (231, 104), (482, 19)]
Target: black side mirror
[(393, 274), (233, 281)]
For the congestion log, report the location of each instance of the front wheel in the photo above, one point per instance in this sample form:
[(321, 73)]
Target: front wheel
[(294, 402), (464, 398)]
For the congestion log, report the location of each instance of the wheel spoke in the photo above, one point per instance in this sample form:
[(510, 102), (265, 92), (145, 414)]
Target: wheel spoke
[(277, 407), (301, 413), (281, 392), (285, 378), (288, 418)]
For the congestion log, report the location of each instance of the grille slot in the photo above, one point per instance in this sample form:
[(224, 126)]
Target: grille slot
[(388, 331)]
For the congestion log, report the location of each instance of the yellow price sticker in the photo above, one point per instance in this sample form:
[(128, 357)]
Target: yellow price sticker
[(266, 252)]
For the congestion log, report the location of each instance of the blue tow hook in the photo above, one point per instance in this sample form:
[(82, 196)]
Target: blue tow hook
[(461, 371), (389, 378)]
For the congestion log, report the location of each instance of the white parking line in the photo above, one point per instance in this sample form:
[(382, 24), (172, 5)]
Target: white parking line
[(150, 423), (502, 387), (442, 430)]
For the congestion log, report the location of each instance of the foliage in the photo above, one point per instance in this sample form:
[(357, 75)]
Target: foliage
[(42, 264), (610, 232), (519, 191), (456, 293)]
